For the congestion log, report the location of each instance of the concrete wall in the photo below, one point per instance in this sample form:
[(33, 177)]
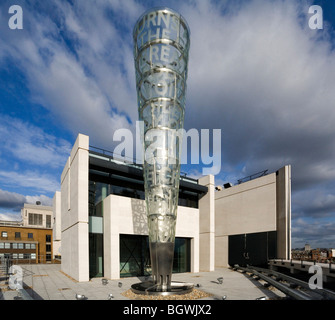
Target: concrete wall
[(56, 223), (123, 215), (74, 211), (207, 225), (259, 205), (283, 192)]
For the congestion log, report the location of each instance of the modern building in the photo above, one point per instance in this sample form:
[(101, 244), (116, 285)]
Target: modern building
[(101, 225), (28, 240), (253, 220)]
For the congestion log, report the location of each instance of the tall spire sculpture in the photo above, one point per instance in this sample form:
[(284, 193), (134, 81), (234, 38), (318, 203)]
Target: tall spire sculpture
[(161, 48)]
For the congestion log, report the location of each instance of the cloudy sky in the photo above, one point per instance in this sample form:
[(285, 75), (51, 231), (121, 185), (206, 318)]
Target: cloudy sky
[(257, 71)]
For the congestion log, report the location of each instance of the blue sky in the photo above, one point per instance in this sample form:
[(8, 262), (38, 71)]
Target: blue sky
[(256, 71)]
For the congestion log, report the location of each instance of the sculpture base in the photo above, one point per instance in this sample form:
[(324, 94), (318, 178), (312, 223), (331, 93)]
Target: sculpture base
[(150, 288)]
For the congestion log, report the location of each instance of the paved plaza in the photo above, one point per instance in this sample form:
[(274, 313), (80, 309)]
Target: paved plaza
[(48, 282)]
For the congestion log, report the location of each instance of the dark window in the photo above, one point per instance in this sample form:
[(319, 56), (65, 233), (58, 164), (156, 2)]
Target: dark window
[(182, 255), (48, 238), (48, 221), (48, 257), (135, 256), (96, 255), (30, 236), (252, 248), (48, 248), (35, 219), (17, 234)]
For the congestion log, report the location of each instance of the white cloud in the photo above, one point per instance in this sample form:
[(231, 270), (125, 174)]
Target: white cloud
[(10, 216), (256, 71), (266, 80), (317, 233), (31, 144), (40, 182), (78, 66), (45, 200), (11, 199)]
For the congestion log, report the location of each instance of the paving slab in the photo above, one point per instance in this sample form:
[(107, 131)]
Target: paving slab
[(48, 282)]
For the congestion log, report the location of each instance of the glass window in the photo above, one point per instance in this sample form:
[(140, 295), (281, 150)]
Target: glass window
[(7, 245), (4, 234), (14, 255), (135, 256), (181, 261), (2, 245), (48, 257), (48, 248), (95, 224), (48, 221), (33, 255), (20, 245), (27, 245), (14, 245), (17, 234), (35, 219), (33, 246), (48, 238), (96, 255), (20, 255), (30, 236)]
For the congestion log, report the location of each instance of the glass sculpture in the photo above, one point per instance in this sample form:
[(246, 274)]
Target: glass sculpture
[(161, 48)]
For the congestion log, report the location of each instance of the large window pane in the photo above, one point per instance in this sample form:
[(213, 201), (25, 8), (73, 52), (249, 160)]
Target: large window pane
[(96, 255), (35, 219), (135, 256), (181, 262), (48, 221), (98, 191)]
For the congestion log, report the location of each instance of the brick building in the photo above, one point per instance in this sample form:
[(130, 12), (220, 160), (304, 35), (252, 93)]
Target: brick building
[(28, 240)]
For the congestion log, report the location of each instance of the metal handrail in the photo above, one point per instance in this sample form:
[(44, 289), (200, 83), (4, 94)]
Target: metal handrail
[(253, 176)]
